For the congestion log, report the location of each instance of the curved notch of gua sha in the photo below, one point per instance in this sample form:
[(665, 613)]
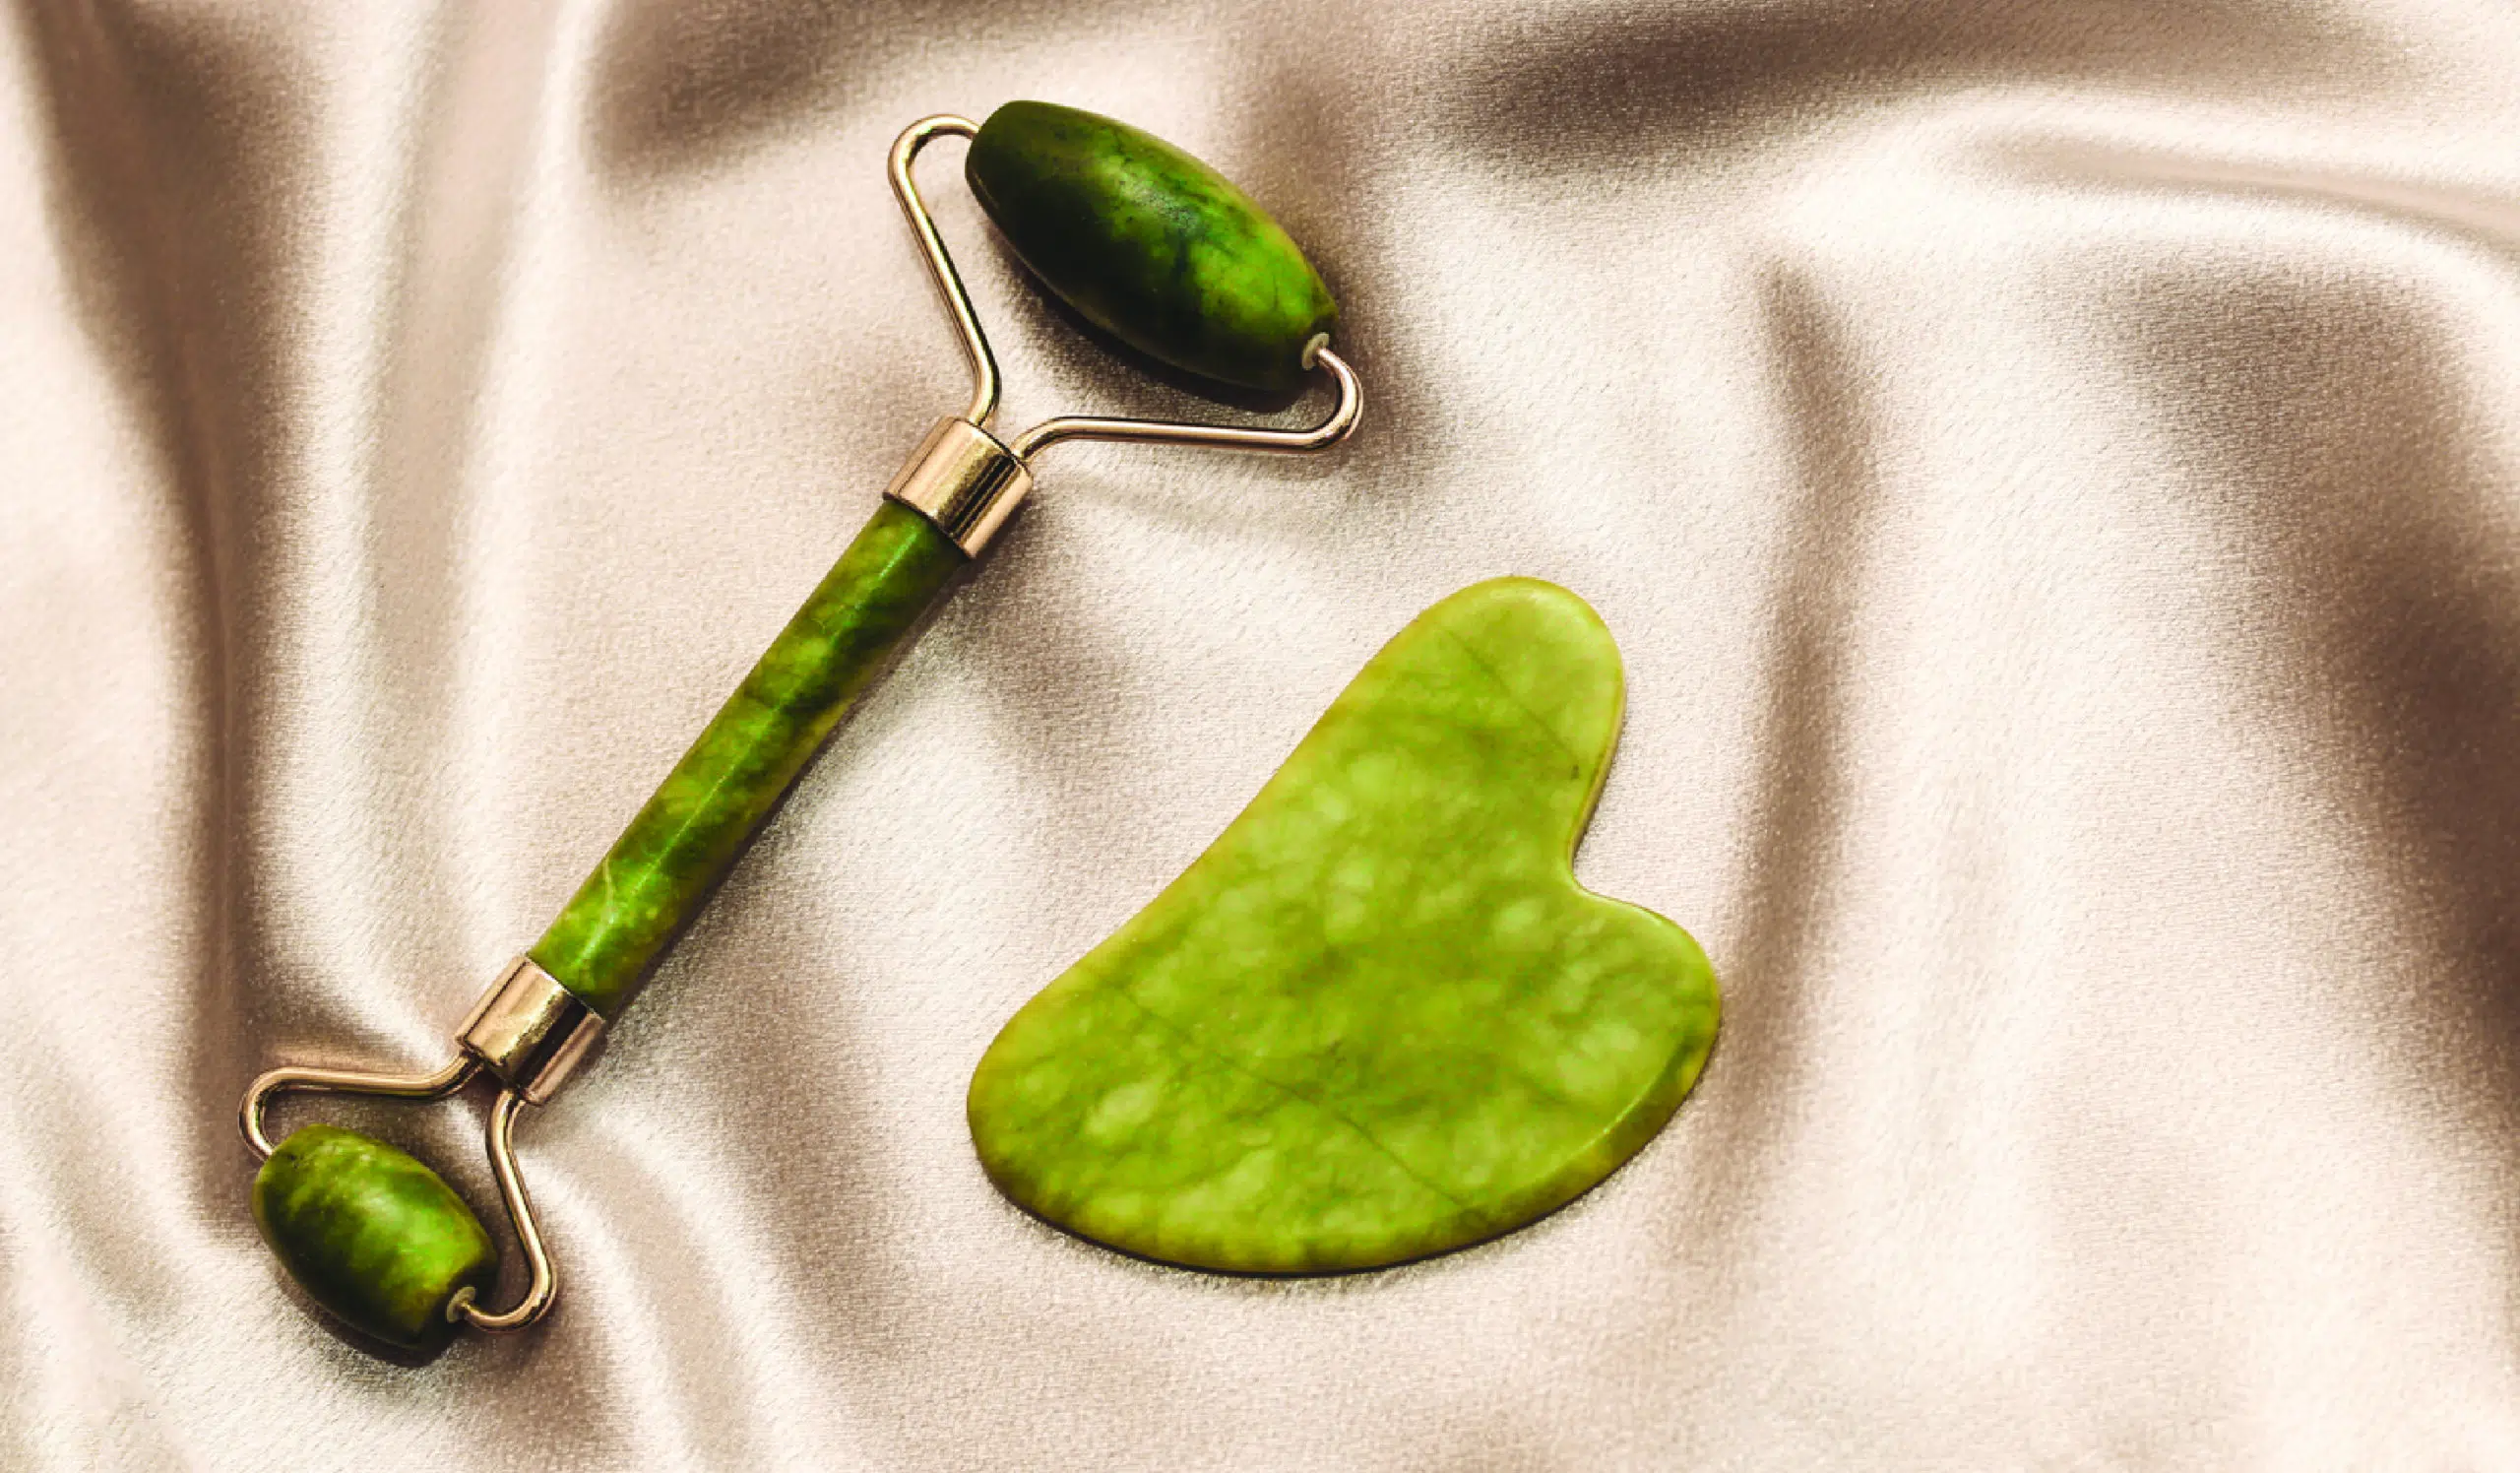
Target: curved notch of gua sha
[(1378, 1019)]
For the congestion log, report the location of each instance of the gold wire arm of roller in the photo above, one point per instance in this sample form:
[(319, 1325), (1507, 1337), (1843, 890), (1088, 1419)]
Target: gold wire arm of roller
[(417, 1088), (1329, 432), (940, 265), (1341, 420), (543, 1285)]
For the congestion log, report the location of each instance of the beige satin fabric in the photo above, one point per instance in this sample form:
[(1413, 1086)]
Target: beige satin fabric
[(2053, 467)]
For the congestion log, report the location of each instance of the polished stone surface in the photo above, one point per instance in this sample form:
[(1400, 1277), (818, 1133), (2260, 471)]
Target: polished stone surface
[(375, 1237), (1378, 1018), (668, 861), (1151, 244)]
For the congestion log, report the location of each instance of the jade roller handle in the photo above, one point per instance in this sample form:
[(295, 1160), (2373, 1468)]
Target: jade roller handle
[(662, 868)]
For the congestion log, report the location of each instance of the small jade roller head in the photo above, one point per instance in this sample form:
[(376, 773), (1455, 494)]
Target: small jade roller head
[(374, 1236), (1150, 244)]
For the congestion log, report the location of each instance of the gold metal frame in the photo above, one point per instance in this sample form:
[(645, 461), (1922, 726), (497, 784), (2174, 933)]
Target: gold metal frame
[(529, 1032)]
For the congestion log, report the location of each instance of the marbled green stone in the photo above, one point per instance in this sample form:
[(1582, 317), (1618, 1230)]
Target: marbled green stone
[(1148, 243), (372, 1234), (672, 855), (1377, 1019)]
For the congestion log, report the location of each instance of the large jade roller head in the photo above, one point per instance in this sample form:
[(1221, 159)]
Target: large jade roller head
[(1150, 244), (1141, 239)]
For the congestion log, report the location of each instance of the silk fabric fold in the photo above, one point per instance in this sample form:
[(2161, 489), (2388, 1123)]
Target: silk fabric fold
[(2053, 468)]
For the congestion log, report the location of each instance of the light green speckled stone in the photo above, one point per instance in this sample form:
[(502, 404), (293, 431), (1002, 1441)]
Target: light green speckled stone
[(1378, 1019)]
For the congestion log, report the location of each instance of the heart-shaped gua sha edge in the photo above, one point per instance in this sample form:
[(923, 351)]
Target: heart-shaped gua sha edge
[(1378, 1019)]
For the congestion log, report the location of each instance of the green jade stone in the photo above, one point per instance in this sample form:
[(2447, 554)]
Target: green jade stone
[(1150, 244), (378, 1239), (668, 861), (1378, 1019)]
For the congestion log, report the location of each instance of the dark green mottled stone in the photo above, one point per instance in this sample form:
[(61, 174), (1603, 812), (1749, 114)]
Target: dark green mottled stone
[(672, 855), (1378, 1018), (1148, 243), (373, 1235)]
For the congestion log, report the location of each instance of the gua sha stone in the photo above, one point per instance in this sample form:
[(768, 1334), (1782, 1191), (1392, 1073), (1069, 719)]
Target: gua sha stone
[(1378, 1019), (1152, 245)]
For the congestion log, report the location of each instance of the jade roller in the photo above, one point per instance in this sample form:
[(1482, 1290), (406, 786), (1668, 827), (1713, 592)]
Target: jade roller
[(1147, 244)]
